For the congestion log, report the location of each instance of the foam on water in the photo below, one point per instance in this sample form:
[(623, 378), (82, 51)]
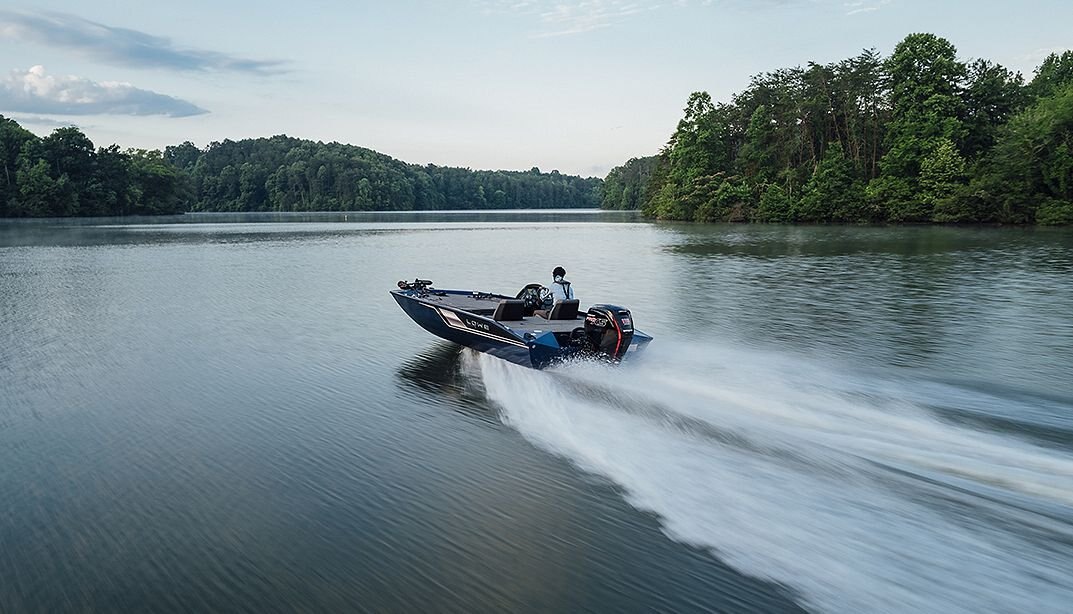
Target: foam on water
[(839, 484)]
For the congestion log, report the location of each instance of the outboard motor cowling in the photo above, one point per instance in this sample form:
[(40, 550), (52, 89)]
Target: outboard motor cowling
[(609, 330)]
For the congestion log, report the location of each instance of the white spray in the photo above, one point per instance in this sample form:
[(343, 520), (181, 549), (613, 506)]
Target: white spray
[(837, 484)]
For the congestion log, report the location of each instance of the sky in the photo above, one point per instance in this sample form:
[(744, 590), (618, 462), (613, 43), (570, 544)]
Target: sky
[(575, 86)]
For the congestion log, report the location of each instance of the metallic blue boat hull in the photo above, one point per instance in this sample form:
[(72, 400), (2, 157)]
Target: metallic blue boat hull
[(520, 344), (496, 340)]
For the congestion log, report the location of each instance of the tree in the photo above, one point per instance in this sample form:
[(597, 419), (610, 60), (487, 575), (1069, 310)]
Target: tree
[(992, 95), (40, 193), (702, 146), (183, 156), (721, 199), (1055, 72), (833, 194), (1030, 176), (624, 187), (111, 185), (757, 158), (12, 139), (925, 103), (775, 206), (942, 180)]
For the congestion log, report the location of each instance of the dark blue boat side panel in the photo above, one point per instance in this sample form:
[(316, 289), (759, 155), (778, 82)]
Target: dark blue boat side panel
[(492, 342)]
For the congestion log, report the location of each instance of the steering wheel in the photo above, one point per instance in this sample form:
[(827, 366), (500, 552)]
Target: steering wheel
[(535, 296)]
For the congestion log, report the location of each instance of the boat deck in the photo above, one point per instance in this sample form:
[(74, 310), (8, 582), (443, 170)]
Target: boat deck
[(535, 324), (477, 304), (485, 305)]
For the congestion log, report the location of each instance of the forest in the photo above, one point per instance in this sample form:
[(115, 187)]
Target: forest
[(917, 137), (63, 175)]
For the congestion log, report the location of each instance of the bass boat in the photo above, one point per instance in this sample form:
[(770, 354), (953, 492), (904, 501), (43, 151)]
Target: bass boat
[(527, 329)]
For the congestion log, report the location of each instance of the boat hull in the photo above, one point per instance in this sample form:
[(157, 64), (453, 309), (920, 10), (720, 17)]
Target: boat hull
[(477, 332), (521, 344)]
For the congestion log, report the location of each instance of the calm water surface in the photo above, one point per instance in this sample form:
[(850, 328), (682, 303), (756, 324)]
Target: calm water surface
[(222, 413)]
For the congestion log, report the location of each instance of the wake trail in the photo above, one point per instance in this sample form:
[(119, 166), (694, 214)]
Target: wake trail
[(838, 483)]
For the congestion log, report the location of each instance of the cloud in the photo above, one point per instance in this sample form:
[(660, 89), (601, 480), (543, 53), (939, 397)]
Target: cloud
[(34, 91), (563, 17), (1041, 53), (48, 122), (560, 18), (864, 6), (122, 46)]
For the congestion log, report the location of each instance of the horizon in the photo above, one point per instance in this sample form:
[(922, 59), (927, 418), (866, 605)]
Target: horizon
[(576, 87)]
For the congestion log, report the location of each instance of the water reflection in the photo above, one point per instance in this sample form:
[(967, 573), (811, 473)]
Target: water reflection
[(182, 234), (825, 241), (931, 298), (286, 227), (439, 373)]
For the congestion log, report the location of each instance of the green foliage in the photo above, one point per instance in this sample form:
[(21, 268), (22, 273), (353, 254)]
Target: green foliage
[(893, 199), (624, 187), (992, 95), (1053, 74), (758, 153), (39, 194), (942, 178), (696, 148), (159, 187), (1054, 212), (720, 199), (1032, 165), (833, 194), (775, 207), (12, 139), (924, 75), (286, 174), (925, 105), (700, 148), (62, 175), (918, 137)]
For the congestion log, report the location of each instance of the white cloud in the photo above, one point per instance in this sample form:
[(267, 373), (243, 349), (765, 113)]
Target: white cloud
[(560, 18), (35, 91), (864, 6), (564, 17)]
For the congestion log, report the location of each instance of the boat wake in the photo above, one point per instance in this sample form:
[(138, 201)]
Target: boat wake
[(846, 486)]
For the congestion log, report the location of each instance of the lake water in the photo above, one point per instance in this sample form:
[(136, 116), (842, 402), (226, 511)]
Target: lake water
[(232, 414)]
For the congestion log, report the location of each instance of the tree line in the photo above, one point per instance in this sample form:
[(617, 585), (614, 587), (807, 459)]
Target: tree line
[(63, 175), (917, 137)]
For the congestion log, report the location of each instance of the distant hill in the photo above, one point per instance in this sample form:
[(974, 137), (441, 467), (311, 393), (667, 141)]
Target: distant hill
[(282, 173), (63, 175)]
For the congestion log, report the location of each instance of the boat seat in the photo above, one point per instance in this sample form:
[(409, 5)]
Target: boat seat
[(564, 310), (509, 310)]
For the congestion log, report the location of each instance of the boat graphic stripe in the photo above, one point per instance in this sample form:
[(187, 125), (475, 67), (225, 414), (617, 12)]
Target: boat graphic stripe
[(451, 319)]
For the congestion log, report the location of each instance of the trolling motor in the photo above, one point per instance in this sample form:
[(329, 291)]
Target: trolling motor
[(421, 286), (608, 330)]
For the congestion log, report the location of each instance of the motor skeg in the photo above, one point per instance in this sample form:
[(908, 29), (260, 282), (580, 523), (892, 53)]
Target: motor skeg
[(609, 330)]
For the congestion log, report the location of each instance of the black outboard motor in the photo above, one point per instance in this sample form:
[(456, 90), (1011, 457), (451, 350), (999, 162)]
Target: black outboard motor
[(609, 330)]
